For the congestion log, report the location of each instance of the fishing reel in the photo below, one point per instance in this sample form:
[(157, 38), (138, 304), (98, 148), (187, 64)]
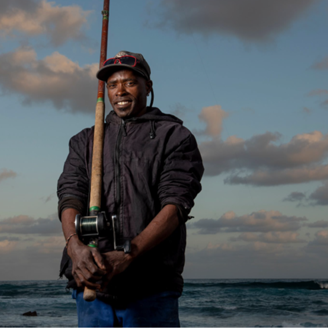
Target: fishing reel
[(90, 228)]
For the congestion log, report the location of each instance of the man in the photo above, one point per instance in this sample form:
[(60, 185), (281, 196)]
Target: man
[(151, 174)]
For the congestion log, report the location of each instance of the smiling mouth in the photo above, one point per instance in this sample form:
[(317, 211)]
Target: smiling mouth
[(122, 103)]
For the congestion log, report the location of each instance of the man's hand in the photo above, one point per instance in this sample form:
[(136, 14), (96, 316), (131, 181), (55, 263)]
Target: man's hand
[(88, 264), (116, 262), (157, 230)]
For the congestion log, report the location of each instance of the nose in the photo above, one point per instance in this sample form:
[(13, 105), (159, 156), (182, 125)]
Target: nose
[(120, 89)]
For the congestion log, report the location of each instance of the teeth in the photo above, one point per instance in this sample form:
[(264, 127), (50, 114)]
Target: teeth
[(122, 102)]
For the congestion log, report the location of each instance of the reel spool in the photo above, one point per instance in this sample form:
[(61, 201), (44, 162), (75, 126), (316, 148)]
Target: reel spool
[(93, 226), (90, 228)]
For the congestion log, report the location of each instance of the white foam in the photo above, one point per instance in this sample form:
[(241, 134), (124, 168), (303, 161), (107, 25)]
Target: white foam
[(323, 285), (229, 307), (287, 324)]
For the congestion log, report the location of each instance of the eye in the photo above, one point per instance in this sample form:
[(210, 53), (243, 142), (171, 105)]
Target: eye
[(111, 86), (130, 83)]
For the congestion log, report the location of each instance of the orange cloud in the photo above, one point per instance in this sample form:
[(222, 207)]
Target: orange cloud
[(284, 237), (18, 220), (318, 92), (321, 238), (54, 79), (321, 65), (42, 17), (262, 161), (260, 221), (50, 245), (24, 224), (213, 117), (6, 174), (7, 246)]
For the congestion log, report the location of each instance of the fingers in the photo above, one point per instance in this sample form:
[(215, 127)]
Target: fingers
[(99, 260), (93, 271), (116, 262), (85, 270), (82, 282)]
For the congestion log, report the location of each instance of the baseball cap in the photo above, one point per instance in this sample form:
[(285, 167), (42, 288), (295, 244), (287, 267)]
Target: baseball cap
[(140, 66)]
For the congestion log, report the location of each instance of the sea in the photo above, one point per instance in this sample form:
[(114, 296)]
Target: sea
[(204, 303)]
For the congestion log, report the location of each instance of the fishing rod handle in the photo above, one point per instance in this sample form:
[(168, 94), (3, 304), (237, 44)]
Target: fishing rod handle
[(97, 159), (89, 295)]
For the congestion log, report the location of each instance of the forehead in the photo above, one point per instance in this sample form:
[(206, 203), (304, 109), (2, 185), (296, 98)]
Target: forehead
[(122, 74)]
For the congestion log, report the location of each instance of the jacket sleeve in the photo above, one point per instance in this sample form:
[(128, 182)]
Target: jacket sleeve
[(181, 175), (73, 183)]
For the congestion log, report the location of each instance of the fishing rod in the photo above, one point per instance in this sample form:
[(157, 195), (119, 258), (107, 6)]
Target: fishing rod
[(98, 141)]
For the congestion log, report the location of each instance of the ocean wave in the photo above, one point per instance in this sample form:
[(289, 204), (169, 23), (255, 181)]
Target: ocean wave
[(32, 289), (281, 284), (323, 285)]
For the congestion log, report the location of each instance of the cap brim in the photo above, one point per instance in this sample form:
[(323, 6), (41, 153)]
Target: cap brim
[(105, 72)]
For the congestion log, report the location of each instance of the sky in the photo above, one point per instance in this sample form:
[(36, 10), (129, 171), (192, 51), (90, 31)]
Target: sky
[(249, 78)]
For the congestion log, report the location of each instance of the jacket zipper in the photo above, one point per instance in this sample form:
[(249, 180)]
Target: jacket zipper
[(117, 173)]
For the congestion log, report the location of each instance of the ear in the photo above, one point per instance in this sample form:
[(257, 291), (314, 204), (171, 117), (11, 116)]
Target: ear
[(149, 86)]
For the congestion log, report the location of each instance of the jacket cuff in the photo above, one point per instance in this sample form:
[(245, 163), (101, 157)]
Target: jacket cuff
[(71, 202)]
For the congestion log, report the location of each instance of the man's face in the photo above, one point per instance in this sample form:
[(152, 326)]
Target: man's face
[(127, 93)]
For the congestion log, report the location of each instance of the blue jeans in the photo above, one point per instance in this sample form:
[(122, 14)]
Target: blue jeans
[(158, 310)]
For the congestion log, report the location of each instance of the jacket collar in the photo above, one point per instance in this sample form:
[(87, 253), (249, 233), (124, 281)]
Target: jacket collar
[(152, 114)]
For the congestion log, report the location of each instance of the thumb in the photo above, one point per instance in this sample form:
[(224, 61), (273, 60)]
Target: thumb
[(98, 259)]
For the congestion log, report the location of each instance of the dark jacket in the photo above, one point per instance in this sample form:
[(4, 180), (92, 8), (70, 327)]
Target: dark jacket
[(149, 162)]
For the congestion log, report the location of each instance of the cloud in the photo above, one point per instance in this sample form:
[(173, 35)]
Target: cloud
[(24, 224), (307, 110), (213, 117), (6, 246), (54, 79), (250, 260), (34, 18), (9, 238), (295, 196), (248, 20), (285, 237), (267, 177), (261, 221), (321, 238), (6, 174), (318, 224), (31, 263), (261, 161), (318, 92), (22, 220), (30, 248), (257, 260), (321, 65), (50, 245), (320, 196)]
